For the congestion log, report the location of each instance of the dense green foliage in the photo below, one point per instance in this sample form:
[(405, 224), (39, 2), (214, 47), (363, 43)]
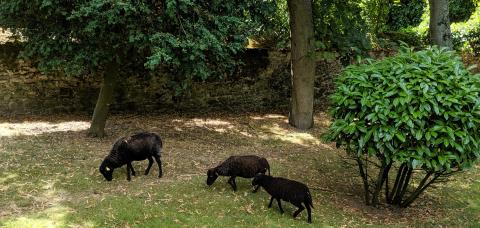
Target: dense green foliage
[(190, 38), (460, 10), (466, 35), (375, 13), (339, 26), (419, 109), (405, 13)]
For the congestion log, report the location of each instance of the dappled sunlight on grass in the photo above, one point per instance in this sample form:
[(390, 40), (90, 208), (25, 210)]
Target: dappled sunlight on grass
[(36, 128), (267, 128), (268, 116), (4, 35), (6, 177), (275, 131), (211, 124), (51, 217), (51, 179), (215, 125)]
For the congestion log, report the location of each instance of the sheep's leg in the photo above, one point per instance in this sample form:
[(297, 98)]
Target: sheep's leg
[(128, 172), (300, 209), (309, 210), (150, 163), (280, 206), (271, 201), (231, 181), (130, 166), (159, 163)]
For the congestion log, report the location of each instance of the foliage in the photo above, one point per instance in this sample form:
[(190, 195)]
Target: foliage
[(339, 26), (460, 10), (405, 13), (466, 35), (277, 33), (191, 38), (417, 109), (375, 13)]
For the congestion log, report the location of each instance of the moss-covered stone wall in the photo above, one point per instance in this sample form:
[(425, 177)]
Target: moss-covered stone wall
[(261, 83)]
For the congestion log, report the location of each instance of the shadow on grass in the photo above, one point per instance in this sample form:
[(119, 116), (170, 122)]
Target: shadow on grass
[(51, 178)]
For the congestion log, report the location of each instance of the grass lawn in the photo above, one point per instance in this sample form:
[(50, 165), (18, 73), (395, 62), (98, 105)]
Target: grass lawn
[(49, 177)]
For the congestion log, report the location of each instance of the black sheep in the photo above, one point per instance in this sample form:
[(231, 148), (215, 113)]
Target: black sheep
[(287, 190), (238, 166), (137, 147)]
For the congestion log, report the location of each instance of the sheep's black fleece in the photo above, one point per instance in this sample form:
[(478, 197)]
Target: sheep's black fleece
[(246, 166), (137, 147), (287, 190)]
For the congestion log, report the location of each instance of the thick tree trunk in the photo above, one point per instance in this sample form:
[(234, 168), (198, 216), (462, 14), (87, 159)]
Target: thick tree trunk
[(440, 23), (303, 63), (105, 98)]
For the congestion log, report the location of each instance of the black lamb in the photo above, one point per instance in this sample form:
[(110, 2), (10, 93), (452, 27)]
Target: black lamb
[(137, 147), (287, 190), (239, 166)]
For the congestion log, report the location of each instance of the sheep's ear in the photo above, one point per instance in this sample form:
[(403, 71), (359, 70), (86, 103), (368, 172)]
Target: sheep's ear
[(106, 168)]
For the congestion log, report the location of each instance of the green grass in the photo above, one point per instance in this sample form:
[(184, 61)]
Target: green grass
[(50, 178)]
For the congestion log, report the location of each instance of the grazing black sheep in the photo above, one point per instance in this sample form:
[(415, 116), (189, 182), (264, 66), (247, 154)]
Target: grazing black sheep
[(134, 148), (239, 166), (287, 190)]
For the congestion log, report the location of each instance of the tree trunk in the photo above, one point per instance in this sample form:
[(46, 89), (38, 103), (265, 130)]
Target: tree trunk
[(303, 63), (381, 178), (364, 175), (99, 118), (440, 33)]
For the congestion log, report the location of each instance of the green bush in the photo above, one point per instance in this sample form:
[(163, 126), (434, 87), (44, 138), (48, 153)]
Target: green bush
[(375, 13), (466, 35), (418, 110), (460, 10), (467, 40), (405, 13), (339, 26)]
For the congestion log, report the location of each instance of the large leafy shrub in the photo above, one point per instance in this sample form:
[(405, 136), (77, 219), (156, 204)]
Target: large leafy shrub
[(405, 13), (417, 110), (460, 10)]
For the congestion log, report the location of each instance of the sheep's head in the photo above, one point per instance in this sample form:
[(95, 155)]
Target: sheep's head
[(212, 175), (258, 179), (106, 171)]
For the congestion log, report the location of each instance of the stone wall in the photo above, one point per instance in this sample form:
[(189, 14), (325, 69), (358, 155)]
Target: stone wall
[(262, 83)]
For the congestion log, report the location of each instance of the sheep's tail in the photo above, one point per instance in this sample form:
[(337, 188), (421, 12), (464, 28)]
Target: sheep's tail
[(308, 199), (159, 145), (267, 166)]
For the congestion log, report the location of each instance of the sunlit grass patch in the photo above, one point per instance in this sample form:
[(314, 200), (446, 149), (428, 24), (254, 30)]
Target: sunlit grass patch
[(52, 217), (36, 128)]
